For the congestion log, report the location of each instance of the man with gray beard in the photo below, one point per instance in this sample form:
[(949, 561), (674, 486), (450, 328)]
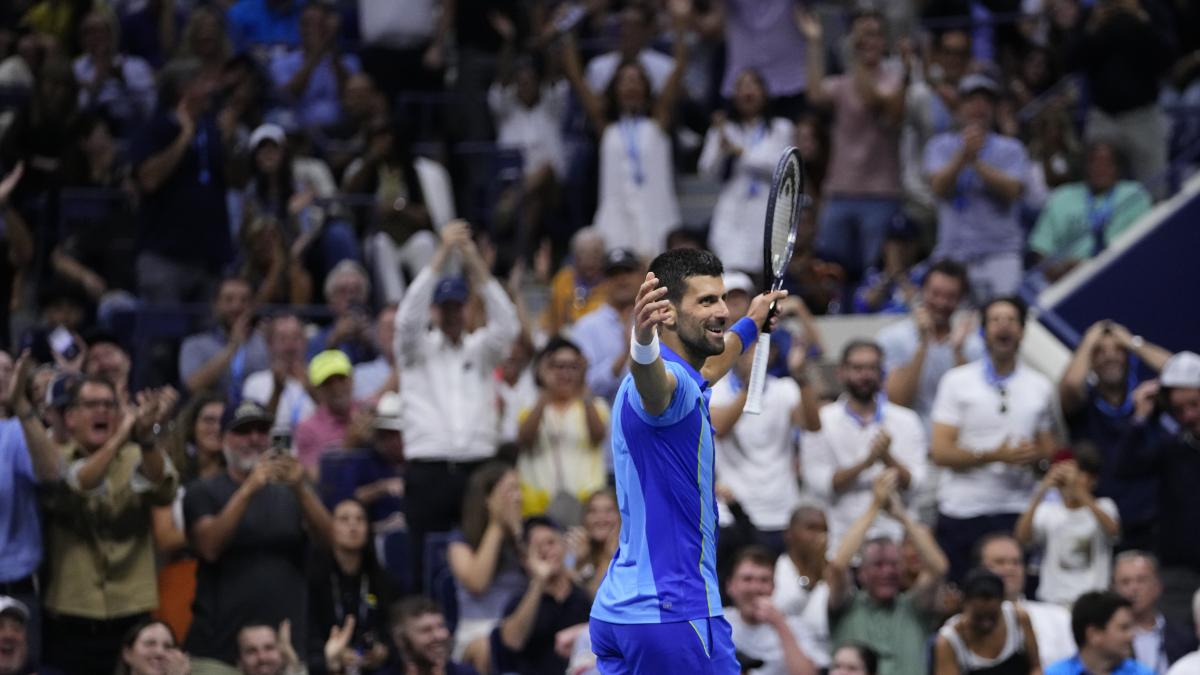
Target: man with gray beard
[(250, 527)]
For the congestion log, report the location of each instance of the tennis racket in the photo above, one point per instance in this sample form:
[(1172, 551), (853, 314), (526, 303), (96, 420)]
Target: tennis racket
[(779, 238)]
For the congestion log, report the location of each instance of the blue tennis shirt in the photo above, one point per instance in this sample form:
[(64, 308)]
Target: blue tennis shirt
[(665, 567)]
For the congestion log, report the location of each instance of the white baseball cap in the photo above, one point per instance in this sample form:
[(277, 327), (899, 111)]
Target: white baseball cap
[(10, 605), (738, 281), (267, 132), (388, 412), (1181, 370)]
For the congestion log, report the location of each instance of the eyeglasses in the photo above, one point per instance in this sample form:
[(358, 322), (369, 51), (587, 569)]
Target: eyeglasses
[(97, 404)]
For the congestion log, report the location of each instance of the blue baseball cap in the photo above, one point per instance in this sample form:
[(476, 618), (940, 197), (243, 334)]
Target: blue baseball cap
[(451, 289)]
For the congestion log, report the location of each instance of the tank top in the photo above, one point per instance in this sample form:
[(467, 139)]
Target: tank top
[(1012, 659)]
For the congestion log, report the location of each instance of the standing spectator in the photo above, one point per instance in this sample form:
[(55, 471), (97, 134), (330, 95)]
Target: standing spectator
[(1103, 626), (1124, 52), (637, 204), (636, 30), (1001, 554), (527, 637), (742, 153), (863, 184), (800, 587), (992, 422), (347, 289), (222, 357), (179, 166), (601, 333), (420, 635), (978, 177), (1082, 219), (259, 25), (311, 77), (578, 288), (763, 35), (121, 85), (963, 644), (1189, 664), (1077, 532), (561, 462), (250, 526), (404, 43), (373, 379), (283, 387), (1096, 395), (879, 613), (327, 428), (760, 629), (14, 631), (861, 436), (100, 576), (1158, 641), (448, 375)]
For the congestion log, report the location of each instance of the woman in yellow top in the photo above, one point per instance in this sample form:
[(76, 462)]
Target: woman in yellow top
[(561, 462)]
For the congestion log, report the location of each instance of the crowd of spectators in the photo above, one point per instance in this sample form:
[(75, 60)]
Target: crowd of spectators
[(365, 436)]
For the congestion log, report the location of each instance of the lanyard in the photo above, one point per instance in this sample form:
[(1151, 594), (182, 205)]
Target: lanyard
[(629, 129), (201, 143), (967, 179), (237, 369), (755, 183), (364, 599), (1126, 407), (1098, 216)]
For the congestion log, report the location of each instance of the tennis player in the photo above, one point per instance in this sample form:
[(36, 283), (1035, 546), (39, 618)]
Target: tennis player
[(659, 608)]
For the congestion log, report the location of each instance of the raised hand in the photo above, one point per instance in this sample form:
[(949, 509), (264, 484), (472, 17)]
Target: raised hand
[(880, 445), (9, 183), (809, 24), (761, 309), (18, 389), (885, 486), (339, 641), (962, 330), (539, 568), (1144, 398), (650, 309)]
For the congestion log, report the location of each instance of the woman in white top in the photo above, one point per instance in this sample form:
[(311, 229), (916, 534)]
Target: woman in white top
[(637, 205), (800, 588), (743, 153)]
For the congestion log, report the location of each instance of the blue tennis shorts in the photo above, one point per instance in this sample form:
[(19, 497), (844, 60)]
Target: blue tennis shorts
[(700, 647)]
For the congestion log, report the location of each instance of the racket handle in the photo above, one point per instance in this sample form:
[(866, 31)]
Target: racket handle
[(758, 376)]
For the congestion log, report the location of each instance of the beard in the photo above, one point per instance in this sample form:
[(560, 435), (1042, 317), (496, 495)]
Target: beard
[(696, 340), (862, 393), (240, 463)]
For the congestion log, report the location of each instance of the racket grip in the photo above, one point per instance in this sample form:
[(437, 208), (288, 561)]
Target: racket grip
[(757, 386)]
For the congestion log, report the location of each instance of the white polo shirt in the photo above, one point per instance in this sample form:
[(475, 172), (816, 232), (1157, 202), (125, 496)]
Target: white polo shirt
[(845, 440), (761, 641), (967, 401)]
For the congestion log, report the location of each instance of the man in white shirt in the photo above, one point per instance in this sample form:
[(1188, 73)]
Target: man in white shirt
[(1001, 555), (450, 414), (760, 631), (637, 30), (283, 388), (992, 426), (1190, 664), (861, 435), (1157, 642)]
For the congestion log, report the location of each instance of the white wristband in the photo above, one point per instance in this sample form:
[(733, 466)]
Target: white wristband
[(640, 353)]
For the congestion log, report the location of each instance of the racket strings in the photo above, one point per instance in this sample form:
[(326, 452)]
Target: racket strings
[(783, 219)]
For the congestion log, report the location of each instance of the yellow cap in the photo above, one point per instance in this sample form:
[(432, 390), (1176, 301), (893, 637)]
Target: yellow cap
[(327, 364)]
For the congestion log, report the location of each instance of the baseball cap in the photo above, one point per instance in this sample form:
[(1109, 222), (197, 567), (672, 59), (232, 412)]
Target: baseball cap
[(1181, 370), (738, 281), (11, 605), (267, 132), (451, 289), (387, 412), (246, 412), (327, 364), (97, 335), (978, 82), (621, 260)]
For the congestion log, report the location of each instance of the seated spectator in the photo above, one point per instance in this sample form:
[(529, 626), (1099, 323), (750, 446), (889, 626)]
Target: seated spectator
[(373, 379), (978, 177), (1096, 394), (864, 172), (637, 25), (1103, 626), (761, 631), (967, 640), (855, 659), (264, 650), (485, 558), (100, 575), (527, 638), (311, 77), (1082, 219), (595, 542), (328, 427), (14, 644), (348, 591), (120, 85), (149, 648), (742, 154), (637, 204), (420, 636), (602, 333), (283, 389), (363, 108), (249, 527), (561, 462), (801, 590), (1158, 640), (1077, 532), (577, 287), (222, 357), (878, 613), (258, 25), (1189, 664), (179, 166), (347, 290)]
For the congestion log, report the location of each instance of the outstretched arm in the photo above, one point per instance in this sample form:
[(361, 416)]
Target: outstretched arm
[(654, 383), (664, 106)]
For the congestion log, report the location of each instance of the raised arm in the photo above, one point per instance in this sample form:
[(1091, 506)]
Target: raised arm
[(934, 564), (745, 331), (664, 104), (837, 572), (593, 105), (814, 37), (157, 169), (655, 384), (516, 628), (1150, 354), (48, 465), (412, 317), (503, 322), (211, 534)]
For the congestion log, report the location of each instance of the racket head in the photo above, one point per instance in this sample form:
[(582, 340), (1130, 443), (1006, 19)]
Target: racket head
[(783, 216)]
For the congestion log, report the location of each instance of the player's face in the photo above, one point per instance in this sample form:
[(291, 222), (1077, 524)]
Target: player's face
[(702, 315)]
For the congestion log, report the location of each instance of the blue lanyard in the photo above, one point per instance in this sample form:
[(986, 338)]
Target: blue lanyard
[(295, 416), (755, 183), (877, 418), (1098, 216), (629, 129), (236, 369), (201, 143), (993, 378), (1126, 407)]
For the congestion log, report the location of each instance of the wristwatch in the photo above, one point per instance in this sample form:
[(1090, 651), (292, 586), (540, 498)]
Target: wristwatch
[(1137, 342)]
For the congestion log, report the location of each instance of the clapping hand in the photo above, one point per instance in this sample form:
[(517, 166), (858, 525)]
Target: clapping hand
[(885, 486), (338, 645)]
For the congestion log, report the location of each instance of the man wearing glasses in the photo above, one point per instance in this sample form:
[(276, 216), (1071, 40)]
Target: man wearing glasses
[(992, 426)]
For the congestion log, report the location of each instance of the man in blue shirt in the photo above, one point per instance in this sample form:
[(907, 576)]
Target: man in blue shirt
[(659, 607), (1102, 622)]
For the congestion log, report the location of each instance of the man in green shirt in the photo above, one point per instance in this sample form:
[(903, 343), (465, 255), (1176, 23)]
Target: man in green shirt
[(895, 623), (1082, 219)]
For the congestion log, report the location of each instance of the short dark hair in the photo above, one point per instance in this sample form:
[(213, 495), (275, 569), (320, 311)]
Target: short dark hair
[(987, 540), (754, 554), (950, 268), (77, 388), (134, 633), (1094, 609), (860, 343), (983, 585), (533, 522), (1087, 456), (673, 268), (1118, 154), (869, 656), (407, 609), (251, 625), (1017, 304)]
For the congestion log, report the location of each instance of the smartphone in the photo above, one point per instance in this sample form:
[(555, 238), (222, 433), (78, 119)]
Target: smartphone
[(63, 343), (281, 441)]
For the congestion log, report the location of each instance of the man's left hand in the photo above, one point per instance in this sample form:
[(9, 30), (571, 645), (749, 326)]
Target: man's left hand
[(760, 309)]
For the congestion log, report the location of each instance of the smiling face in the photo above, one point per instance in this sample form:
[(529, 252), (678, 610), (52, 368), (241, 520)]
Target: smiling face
[(258, 651), (601, 517), (13, 645), (749, 582), (982, 614), (701, 315), (870, 42), (632, 89), (245, 445), (1110, 361), (207, 430), (564, 368), (941, 294), (861, 373), (148, 653), (1002, 330), (880, 571), (424, 639), (91, 418)]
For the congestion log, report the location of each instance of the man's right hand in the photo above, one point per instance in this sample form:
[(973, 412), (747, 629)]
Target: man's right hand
[(1144, 399), (923, 320), (1023, 453), (650, 309), (262, 474)]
